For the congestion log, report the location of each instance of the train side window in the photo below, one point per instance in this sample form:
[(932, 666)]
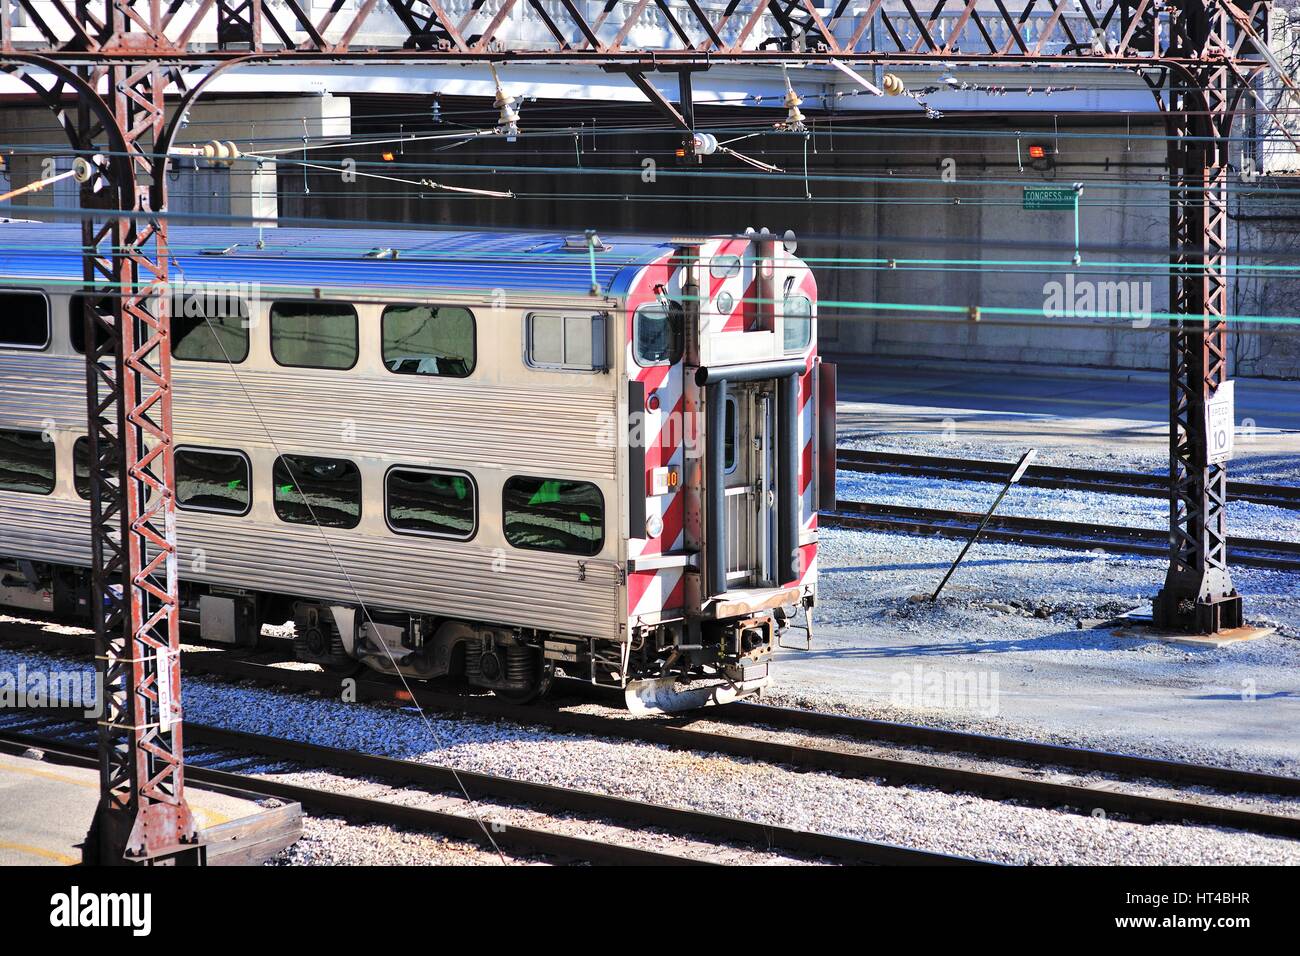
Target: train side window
[(209, 480), (551, 514), (657, 328), (568, 343), (81, 467), (324, 491), (209, 327), (438, 503), (314, 334), (428, 340), (77, 323), (27, 320), (798, 323), (26, 462)]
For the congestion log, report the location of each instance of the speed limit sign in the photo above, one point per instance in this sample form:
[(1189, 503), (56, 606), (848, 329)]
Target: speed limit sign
[(1220, 423)]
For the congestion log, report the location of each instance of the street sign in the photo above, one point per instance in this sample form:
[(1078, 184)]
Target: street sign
[(1220, 423), (1048, 197)]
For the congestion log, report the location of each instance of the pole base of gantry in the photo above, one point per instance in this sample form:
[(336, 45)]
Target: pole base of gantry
[(45, 799), (1174, 610), (1138, 625)]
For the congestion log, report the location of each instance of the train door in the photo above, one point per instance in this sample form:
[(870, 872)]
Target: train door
[(749, 470)]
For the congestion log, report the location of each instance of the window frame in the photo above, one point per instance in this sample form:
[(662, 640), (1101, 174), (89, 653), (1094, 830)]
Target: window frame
[(788, 350), (361, 494), (356, 326), (73, 300), (75, 490), (427, 470), (636, 337), (733, 406), (49, 321), (214, 451), (473, 320), (54, 476), (248, 321), (604, 511), (734, 265), (566, 314)]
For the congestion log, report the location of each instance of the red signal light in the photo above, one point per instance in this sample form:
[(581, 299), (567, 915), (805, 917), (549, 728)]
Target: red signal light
[(1037, 152)]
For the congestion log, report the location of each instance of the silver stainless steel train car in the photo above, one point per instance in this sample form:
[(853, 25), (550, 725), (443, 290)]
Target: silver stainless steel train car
[(482, 454)]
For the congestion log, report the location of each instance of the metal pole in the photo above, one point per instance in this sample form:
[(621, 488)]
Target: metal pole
[(1198, 594), (142, 816), (1015, 477)]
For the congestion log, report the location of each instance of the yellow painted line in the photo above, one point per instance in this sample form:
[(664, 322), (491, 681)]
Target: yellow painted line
[(209, 818), (42, 853), (49, 775)]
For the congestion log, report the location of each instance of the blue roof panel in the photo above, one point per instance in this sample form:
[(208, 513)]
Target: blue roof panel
[(336, 259)]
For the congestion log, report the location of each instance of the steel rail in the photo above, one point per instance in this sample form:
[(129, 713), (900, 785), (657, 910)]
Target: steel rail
[(763, 836), (758, 836), (1225, 779), (516, 838), (1070, 535), (676, 734), (750, 713), (1132, 483)]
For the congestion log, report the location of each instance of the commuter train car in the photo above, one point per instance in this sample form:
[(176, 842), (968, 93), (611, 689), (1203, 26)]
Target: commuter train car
[(493, 455)]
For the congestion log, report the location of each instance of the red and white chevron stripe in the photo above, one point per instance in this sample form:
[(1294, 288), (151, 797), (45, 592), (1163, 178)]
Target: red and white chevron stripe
[(667, 428)]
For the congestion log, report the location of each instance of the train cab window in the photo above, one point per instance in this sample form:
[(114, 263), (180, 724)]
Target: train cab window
[(314, 334), (724, 267), (26, 323), (657, 328), (81, 467), (428, 340), (26, 462), (77, 323), (435, 503), (213, 481), (570, 343), (798, 323), (324, 491), (550, 514), (209, 327)]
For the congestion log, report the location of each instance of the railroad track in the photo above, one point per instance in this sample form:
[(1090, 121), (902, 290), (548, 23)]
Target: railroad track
[(1049, 476), (1070, 535), (518, 839), (1021, 784), (217, 742)]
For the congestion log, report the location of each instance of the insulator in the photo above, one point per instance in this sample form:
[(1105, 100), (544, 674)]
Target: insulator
[(892, 85), (223, 154), (705, 144)]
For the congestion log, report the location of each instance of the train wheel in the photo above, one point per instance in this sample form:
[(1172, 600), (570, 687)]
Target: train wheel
[(322, 645)]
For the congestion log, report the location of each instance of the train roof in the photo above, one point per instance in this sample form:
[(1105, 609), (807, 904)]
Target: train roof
[(353, 259)]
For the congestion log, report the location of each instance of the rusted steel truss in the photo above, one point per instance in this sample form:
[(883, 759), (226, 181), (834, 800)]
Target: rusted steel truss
[(1061, 31), (117, 57), (1198, 594), (143, 814), (118, 128)]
